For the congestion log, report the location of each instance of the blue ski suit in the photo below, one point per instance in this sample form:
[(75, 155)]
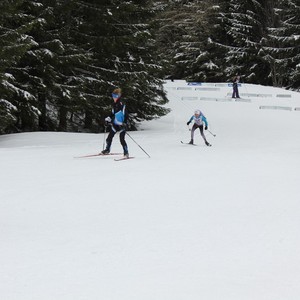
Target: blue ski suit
[(198, 123), (118, 124)]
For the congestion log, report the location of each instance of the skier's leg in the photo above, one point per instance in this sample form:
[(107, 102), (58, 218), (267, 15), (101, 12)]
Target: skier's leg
[(203, 136), (237, 92), (123, 142), (202, 133), (109, 140), (234, 93), (192, 134)]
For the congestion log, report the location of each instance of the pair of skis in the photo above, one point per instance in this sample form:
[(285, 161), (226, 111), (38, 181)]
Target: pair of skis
[(193, 144), (109, 154)]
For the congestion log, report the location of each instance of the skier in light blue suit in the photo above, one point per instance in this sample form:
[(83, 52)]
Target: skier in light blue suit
[(198, 119)]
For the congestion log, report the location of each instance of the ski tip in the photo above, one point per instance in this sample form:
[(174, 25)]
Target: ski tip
[(123, 158), (188, 143), (88, 155)]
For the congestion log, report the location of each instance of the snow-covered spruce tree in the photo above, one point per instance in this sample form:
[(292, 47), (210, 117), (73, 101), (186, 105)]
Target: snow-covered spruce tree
[(245, 26), (218, 41), (281, 46), (93, 35), (183, 37), (198, 55), (209, 64), (54, 67), (292, 24), (121, 38), (18, 107), (166, 36)]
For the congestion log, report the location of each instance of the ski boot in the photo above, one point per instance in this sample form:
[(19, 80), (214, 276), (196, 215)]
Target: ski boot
[(105, 152), (126, 155)]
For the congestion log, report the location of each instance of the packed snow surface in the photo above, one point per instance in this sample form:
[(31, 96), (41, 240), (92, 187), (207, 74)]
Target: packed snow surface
[(189, 223)]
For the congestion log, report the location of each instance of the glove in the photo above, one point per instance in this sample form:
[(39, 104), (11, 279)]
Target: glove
[(205, 127), (108, 119), (188, 123)]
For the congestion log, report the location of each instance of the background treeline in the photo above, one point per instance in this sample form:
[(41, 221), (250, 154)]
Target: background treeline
[(60, 59)]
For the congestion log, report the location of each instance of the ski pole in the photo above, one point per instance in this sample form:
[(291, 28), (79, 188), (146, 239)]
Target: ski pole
[(137, 143), (211, 132)]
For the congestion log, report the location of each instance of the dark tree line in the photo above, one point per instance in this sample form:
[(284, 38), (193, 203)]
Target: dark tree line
[(60, 59), (213, 40)]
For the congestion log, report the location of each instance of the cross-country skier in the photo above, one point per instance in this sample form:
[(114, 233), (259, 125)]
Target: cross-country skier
[(198, 119), (235, 90), (117, 120)]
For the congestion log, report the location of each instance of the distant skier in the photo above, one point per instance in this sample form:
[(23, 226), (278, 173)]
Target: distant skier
[(117, 120), (198, 119), (235, 81)]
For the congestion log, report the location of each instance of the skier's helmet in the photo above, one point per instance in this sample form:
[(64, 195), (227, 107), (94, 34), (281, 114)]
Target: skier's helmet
[(197, 112)]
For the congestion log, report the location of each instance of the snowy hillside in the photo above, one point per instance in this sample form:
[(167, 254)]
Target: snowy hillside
[(211, 223)]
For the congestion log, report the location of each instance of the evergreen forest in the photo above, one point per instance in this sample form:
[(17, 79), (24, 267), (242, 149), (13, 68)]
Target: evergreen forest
[(61, 59)]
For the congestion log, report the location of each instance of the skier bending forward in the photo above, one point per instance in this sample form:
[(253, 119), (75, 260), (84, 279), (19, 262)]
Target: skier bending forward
[(198, 119)]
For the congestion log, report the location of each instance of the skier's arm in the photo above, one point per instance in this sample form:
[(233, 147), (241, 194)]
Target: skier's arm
[(112, 114), (125, 114), (205, 121), (190, 120)]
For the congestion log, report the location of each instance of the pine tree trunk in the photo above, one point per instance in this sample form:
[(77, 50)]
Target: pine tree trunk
[(88, 121), (62, 126), (43, 109)]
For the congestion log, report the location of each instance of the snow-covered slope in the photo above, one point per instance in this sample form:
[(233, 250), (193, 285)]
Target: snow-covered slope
[(193, 223)]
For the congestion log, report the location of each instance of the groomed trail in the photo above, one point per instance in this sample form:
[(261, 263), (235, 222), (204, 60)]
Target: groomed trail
[(192, 223)]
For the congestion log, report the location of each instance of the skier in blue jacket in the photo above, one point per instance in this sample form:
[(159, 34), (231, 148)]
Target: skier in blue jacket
[(117, 120), (198, 119)]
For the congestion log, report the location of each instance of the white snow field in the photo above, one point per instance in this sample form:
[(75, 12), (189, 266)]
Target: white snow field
[(189, 223)]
